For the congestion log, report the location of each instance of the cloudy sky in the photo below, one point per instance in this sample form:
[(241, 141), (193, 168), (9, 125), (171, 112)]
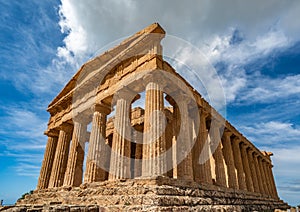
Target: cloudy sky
[(253, 45)]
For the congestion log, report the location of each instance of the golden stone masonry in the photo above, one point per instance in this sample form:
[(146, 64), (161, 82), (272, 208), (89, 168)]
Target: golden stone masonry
[(145, 159)]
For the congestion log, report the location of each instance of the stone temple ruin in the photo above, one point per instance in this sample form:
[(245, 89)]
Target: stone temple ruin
[(176, 154)]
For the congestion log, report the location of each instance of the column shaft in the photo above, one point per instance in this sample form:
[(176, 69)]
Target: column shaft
[(97, 157), (184, 144), (74, 172), (47, 162), (204, 157), (229, 159), (218, 156), (120, 157), (263, 176), (169, 140), (61, 156), (268, 180), (238, 164), (175, 130), (274, 190), (154, 161), (259, 174), (246, 167), (138, 136), (253, 171)]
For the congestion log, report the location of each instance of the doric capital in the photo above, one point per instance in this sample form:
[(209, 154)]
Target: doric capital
[(82, 118), (66, 127), (227, 133), (52, 133), (237, 139), (102, 108), (204, 114), (250, 150), (244, 145), (126, 93), (255, 154)]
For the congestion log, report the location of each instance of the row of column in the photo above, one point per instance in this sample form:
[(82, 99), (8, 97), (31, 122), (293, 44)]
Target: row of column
[(233, 164), (62, 167), (236, 165)]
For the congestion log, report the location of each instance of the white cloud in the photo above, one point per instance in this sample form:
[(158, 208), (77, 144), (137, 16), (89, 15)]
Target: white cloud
[(285, 161), (208, 25), (273, 132), (22, 139), (264, 89)]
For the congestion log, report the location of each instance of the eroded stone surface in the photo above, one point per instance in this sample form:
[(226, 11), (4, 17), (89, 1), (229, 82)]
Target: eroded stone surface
[(237, 177)]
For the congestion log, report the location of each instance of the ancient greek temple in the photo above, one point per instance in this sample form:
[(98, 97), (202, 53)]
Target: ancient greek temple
[(128, 132)]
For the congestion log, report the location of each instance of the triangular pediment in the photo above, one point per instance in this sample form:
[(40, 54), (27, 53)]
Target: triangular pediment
[(109, 59)]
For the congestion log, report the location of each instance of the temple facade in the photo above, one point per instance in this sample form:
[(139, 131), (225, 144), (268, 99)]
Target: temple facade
[(127, 121)]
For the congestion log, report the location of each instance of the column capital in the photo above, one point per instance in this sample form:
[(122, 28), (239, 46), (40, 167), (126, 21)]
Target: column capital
[(237, 139), (227, 133), (102, 108), (52, 133), (251, 150), (244, 145), (81, 118), (66, 127), (153, 77)]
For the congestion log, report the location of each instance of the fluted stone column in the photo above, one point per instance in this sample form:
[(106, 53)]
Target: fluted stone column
[(269, 177), (273, 185), (246, 167), (268, 180), (263, 175), (238, 164), (61, 156), (218, 156), (154, 138), (96, 151), (198, 176), (253, 171), (48, 160), (229, 159), (74, 172), (138, 136), (184, 142), (169, 140), (120, 157), (259, 174), (175, 130), (204, 158)]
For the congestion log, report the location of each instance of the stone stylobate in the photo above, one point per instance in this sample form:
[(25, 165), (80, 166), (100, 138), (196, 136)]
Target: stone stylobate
[(130, 149)]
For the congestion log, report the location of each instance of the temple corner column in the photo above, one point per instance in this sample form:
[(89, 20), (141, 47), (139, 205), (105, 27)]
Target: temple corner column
[(47, 163), (61, 156)]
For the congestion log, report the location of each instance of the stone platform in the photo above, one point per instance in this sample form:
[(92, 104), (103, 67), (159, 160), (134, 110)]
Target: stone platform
[(155, 194)]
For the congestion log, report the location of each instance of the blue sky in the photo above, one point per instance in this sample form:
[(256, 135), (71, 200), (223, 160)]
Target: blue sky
[(254, 46)]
